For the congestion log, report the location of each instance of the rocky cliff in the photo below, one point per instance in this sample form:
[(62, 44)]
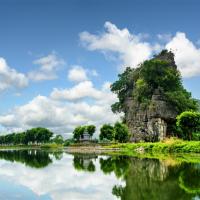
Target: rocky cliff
[(152, 122)]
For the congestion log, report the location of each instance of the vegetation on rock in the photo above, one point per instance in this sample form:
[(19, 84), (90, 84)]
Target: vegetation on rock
[(151, 96)]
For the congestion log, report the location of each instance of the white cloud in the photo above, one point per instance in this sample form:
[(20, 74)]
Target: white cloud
[(63, 116), (187, 55), (77, 74), (10, 78), (81, 90), (130, 48), (166, 37), (48, 67)]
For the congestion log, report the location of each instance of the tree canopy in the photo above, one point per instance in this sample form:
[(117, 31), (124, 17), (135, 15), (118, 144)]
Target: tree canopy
[(31, 136), (106, 132), (79, 131), (189, 122), (140, 84), (121, 133)]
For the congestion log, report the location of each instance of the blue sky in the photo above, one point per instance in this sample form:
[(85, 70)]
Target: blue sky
[(56, 53)]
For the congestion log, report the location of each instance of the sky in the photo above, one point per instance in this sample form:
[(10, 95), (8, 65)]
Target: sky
[(58, 58)]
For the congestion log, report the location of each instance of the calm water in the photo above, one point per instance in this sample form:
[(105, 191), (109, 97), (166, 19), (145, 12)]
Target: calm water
[(42, 175)]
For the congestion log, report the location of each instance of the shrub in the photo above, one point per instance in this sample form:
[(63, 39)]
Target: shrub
[(189, 123)]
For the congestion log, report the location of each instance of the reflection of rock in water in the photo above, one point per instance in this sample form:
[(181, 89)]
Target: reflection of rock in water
[(31, 158), (84, 162), (147, 179)]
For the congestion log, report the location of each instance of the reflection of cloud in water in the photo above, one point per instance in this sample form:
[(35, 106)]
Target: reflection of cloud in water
[(60, 180)]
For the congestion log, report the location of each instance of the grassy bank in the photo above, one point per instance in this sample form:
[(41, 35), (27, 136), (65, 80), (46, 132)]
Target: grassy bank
[(41, 146), (171, 145)]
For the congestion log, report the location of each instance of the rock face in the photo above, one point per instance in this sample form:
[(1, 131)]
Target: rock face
[(150, 123)]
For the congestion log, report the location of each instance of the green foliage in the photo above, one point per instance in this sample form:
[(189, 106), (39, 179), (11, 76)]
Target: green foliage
[(168, 146), (141, 83), (31, 136), (58, 139), (78, 131), (189, 122), (68, 142), (121, 133), (91, 129), (106, 132), (121, 88)]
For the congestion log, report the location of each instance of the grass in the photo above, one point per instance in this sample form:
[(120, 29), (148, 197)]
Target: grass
[(172, 145)]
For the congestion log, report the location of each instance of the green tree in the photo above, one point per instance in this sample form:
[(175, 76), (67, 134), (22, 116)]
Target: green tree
[(121, 133), (189, 122), (91, 129), (106, 132), (78, 132), (58, 139)]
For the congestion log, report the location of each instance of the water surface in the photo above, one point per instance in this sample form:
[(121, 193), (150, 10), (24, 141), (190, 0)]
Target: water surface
[(44, 175)]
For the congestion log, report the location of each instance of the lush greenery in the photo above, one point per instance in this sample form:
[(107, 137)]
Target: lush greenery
[(189, 124), (80, 130), (118, 132), (32, 136), (168, 146), (141, 83), (106, 132)]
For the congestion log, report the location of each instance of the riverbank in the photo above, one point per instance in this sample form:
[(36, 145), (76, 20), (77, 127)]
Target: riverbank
[(171, 145)]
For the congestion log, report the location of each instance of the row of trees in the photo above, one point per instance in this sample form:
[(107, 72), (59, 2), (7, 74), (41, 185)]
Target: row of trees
[(32, 136), (118, 132)]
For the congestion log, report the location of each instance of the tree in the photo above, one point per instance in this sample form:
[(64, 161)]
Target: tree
[(121, 133), (106, 132), (90, 129), (58, 139), (189, 122), (78, 132)]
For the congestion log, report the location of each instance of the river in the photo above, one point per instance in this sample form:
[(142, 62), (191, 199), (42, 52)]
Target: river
[(47, 175)]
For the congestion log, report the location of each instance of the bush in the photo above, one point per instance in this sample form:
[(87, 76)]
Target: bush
[(189, 123)]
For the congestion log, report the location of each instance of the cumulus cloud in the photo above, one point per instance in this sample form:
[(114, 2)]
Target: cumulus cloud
[(187, 55), (63, 116), (81, 90), (130, 48), (10, 78), (77, 74), (166, 37), (48, 66)]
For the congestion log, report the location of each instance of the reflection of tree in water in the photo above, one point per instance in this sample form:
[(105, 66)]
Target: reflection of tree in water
[(31, 158), (189, 179), (152, 179), (84, 162), (57, 154), (117, 164)]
